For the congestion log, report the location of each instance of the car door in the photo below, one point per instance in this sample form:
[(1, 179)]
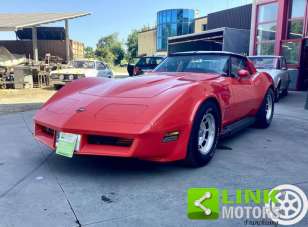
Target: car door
[(243, 92)]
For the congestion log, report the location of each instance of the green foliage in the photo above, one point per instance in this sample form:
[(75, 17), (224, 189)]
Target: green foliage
[(105, 55), (132, 45), (89, 52), (109, 49), (119, 54)]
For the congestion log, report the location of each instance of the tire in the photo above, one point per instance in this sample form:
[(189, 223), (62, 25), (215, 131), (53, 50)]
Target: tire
[(277, 93), (200, 156), (264, 117)]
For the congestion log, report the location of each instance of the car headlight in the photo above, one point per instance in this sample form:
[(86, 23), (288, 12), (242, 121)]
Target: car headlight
[(61, 77), (71, 77)]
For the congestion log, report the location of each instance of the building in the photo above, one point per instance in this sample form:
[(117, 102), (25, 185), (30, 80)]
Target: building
[(36, 41), (280, 28), (200, 24), (50, 40), (218, 39), (170, 22), (147, 38), (147, 42), (173, 22), (236, 17), (182, 22)]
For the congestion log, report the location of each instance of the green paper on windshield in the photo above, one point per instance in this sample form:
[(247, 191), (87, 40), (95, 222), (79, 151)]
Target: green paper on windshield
[(66, 144)]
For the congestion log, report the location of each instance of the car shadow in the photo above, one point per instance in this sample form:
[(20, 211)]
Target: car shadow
[(89, 165), (117, 165)]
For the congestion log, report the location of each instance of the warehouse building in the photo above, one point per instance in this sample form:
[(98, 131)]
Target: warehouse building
[(35, 41)]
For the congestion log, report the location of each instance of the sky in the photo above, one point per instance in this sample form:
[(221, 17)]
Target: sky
[(108, 16)]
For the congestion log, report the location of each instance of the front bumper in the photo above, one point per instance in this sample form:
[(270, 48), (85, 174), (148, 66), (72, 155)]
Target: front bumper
[(146, 145)]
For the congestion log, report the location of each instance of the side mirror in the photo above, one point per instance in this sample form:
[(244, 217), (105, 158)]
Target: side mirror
[(243, 73)]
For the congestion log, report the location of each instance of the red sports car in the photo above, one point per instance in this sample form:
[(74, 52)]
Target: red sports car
[(178, 112)]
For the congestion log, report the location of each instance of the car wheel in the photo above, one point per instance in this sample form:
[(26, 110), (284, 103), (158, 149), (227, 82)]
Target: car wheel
[(266, 111), (204, 135), (277, 93)]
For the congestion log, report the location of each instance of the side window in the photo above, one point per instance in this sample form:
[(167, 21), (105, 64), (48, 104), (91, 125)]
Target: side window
[(237, 64), (100, 66)]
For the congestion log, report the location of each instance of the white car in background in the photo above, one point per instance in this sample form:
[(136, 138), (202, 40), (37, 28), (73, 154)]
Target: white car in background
[(276, 66), (80, 69)]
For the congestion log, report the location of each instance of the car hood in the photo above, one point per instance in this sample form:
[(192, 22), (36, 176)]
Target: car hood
[(72, 71), (109, 103), (146, 86)]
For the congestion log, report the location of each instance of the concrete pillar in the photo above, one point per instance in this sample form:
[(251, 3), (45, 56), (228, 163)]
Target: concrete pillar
[(253, 28), (34, 44), (67, 42), (281, 24)]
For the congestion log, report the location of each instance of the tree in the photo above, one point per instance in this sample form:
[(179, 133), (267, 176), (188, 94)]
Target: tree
[(132, 45), (104, 54), (110, 49), (89, 52)]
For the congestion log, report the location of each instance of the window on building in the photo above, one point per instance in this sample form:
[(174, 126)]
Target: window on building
[(267, 12), (296, 19), (290, 50), (173, 23), (266, 28), (265, 48), (204, 27)]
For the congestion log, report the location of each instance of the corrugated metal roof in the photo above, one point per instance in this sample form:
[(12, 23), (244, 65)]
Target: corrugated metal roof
[(15, 21)]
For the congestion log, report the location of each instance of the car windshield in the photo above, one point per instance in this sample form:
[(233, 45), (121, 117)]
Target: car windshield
[(205, 63), (264, 62), (149, 61), (83, 64)]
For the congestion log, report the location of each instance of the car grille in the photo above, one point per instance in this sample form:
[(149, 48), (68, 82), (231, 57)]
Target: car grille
[(109, 140), (48, 132)]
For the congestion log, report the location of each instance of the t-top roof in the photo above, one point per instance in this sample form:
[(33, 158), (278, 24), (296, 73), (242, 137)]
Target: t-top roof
[(15, 21)]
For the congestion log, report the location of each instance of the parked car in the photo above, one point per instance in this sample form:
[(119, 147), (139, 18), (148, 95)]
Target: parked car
[(80, 69), (143, 65), (277, 67), (183, 107)]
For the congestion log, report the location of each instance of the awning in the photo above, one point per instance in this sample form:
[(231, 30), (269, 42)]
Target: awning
[(15, 21)]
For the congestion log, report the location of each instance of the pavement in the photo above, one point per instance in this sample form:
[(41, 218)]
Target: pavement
[(40, 188)]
